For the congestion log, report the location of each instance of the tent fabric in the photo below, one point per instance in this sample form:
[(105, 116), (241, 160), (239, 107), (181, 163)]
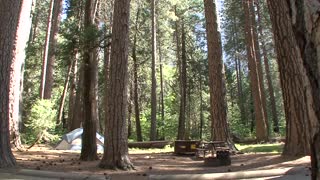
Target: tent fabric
[(73, 141)]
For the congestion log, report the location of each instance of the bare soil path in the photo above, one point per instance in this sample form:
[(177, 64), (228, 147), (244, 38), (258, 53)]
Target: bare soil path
[(165, 163)]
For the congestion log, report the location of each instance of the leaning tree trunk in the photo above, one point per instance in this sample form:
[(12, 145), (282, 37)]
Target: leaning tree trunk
[(293, 81), (218, 103), (89, 146), (9, 17), (23, 31), (306, 28), (64, 95), (153, 130), (116, 137), (261, 126)]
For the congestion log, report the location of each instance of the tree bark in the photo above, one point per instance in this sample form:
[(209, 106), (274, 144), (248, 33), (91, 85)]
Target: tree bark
[(201, 107), (268, 74), (56, 12), (305, 18), (218, 109), (261, 126), (183, 88), (23, 31), (89, 146), (259, 66), (293, 81), (72, 94), (153, 131), (116, 137), (161, 91), (9, 18), (46, 50), (135, 77), (78, 116), (64, 94)]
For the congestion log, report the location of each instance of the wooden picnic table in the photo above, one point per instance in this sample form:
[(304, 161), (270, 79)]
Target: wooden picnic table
[(212, 147)]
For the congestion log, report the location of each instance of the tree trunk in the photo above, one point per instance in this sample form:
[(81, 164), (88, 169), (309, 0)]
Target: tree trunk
[(135, 77), (9, 19), (72, 94), (78, 114), (64, 94), (307, 30), (268, 74), (218, 109), (241, 100), (201, 107), (261, 126), (130, 110), (161, 91), (259, 66), (153, 131), (23, 31), (57, 8), (46, 50), (293, 81), (89, 146), (116, 137), (183, 88)]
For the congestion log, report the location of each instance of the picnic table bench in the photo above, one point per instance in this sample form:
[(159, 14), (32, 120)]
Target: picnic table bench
[(215, 148), (219, 150)]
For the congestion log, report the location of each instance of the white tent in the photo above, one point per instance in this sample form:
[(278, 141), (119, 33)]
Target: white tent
[(73, 141)]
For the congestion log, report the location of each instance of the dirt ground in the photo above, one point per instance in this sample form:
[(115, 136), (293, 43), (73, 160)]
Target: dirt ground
[(45, 158)]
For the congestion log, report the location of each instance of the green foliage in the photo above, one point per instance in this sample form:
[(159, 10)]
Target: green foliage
[(41, 122), (261, 148)]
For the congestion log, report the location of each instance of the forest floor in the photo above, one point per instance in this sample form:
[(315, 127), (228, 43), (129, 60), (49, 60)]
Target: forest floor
[(147, 163)]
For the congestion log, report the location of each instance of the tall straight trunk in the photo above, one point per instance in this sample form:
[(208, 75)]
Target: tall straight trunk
[(116, 133), (183, 88), (78, 113), (135, 80), (268, 74), (46, 50), (261, 126), (22, 35), (243, 113), (56, 12), (161, 90), (218, 108), (89, 146), (259, 65), (9, 19), (181, 128), (293, 80), (107, 56), (153, 130), (201, 108), (75, 108), (307, 30), (130, 98), (35, 22), (72, 93)]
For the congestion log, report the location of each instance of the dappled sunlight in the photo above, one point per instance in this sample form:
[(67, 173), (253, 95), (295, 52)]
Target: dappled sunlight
[(152, 162)]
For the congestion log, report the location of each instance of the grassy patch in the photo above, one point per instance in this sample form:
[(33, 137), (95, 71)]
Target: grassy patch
[(264, 148)]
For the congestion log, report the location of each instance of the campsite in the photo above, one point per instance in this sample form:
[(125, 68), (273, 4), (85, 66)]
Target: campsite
[(161, 162), (159, 89)]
